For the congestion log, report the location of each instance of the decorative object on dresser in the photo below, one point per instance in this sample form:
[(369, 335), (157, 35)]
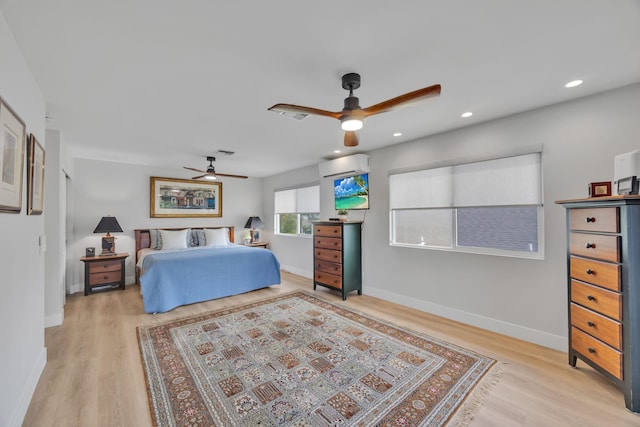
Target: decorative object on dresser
[(12, 139), (337, 256), (603, 261), (600, 189), (296, 359), (185, 198), (103, 274), (108, 224), (35, 177), (254, 222)]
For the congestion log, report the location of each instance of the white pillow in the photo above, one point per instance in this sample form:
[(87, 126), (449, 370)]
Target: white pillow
[(216, 236), (174, 239)]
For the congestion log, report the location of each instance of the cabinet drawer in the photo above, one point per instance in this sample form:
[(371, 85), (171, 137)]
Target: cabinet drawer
[(328, 255), (594, 219), (328, 279), (327, 230), (100, 266), (604, 356), (597, 299), (601, 327), (327, 242), (595, 246), (329, 267), (106, 277), (599, 273)]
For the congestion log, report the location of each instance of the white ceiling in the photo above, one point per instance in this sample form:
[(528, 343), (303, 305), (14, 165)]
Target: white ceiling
[(169, 82)]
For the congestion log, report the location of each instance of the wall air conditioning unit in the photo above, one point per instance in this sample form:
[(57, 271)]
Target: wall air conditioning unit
[(349, 165)]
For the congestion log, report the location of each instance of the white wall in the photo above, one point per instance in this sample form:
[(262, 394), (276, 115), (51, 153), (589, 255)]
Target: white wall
[(122, 190), (517, 297), (22, 352)]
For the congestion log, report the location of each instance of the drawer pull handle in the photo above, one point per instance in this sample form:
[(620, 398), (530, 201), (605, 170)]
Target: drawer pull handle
[(590, 271), (590, 246), (590, 219), (592, 350), (105, 277), (591, 298), (590, 324), (335, 256)]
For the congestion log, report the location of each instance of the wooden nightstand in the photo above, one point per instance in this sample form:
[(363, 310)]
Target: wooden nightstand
[(103, 273), (258, 244)]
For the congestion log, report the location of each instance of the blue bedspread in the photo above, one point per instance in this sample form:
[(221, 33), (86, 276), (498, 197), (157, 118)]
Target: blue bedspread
[(172, 279)]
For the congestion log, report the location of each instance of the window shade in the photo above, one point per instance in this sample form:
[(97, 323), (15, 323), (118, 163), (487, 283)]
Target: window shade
[(421, 189), (308, 199), (285, 201)]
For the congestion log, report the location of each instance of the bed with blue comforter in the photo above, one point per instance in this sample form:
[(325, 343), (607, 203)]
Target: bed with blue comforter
[(169, 279)]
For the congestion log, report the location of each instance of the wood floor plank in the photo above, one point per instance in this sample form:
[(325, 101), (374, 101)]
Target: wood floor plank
[(94, 374)]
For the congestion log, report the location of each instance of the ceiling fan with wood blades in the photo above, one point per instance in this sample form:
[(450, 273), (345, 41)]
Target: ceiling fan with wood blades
[(352, 115), (211, 173)]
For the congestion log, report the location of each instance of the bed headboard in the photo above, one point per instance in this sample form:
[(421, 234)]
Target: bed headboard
[(143, 240)]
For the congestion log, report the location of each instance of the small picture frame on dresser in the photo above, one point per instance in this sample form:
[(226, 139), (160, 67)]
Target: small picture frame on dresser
[(600, 189)]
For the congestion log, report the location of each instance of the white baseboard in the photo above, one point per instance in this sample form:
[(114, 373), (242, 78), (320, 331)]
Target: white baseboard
[(30, 388), (298, 271), (54, 319), (535, 336)]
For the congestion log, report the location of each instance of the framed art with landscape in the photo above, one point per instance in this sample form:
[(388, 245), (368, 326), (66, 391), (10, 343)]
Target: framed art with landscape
[(35, 177), (185, 198), (12, 138)]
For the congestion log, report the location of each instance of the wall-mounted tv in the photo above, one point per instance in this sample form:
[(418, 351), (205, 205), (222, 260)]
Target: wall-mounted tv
[(352, 192)]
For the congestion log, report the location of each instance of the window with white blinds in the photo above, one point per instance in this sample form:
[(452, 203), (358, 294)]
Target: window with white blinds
[(295, 209), (491, 207)]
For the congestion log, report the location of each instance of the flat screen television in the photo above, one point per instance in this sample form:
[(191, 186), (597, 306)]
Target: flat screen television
[(352, 192)]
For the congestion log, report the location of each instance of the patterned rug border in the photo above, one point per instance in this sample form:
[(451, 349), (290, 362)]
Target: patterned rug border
[(460, 417)]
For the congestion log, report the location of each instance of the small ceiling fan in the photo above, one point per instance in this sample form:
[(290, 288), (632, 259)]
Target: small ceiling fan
[(352, 114), (211, 173)]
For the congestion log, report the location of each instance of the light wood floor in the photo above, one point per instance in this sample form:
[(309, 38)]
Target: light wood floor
[(94, 375)]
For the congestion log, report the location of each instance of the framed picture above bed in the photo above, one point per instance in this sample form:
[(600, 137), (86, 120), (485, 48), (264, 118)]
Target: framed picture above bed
[(12, 139), (185, 198)]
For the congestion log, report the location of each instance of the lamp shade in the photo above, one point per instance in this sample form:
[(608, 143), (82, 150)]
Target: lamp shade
[(108, 224), (254, 222)]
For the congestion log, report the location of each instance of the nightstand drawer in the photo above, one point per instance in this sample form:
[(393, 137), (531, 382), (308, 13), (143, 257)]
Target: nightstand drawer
[(597, 299), (327, 230), (102, 266), (329, 255), (105, 277), (594, 219), (604, 356), (328, 243), (603, 328), (599, 273), (328, 279), (599, 246)]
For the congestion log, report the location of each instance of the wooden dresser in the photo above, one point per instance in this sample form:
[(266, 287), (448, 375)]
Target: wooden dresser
[(337, 256), (603, 259)]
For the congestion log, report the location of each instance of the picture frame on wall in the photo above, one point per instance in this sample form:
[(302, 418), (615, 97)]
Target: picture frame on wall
[(35, 177), (185, 198), (12, 141)]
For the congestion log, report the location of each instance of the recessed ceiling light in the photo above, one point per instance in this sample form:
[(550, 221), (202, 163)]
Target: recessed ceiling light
[(574, 83), (397, 134), (467, 114), (336, 151)]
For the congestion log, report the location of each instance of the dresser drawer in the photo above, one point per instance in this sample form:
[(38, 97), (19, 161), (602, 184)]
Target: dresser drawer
[(597, 299), (328, 255), (594, 219), (599, 246), (599, 273), (105, 277), (603, 328), (328, 242), (604, 356), (327, 230), (329, 267), (107, 265), (328, 279)]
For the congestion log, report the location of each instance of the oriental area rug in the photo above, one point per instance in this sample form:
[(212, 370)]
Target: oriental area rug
[(297, 360)]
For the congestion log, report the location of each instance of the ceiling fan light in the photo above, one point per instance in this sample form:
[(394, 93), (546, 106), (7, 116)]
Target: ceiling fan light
[(351, 125), (210, 177)]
